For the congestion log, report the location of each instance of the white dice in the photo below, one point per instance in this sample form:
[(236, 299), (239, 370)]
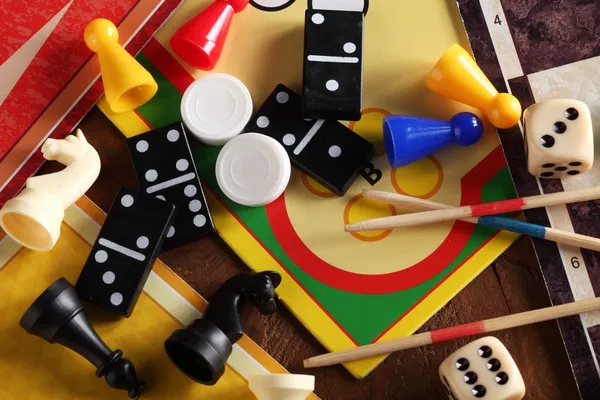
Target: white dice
[(559, 139), (483, 369)]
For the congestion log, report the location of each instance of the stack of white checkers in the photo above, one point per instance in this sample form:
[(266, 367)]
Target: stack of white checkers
[(252, 169)]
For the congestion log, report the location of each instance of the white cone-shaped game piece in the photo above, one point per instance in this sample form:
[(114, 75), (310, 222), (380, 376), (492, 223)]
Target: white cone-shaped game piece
[(281, 386)]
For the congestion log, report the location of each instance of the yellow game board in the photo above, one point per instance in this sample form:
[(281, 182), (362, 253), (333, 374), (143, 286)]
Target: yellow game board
[(32, 369), (348, 289)]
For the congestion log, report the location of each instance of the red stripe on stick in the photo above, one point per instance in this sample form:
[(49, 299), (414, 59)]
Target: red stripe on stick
[(459, 331), (167, 65), (497, 207)]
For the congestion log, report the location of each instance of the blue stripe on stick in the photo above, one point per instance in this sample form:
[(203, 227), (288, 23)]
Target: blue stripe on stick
[(507, 224)]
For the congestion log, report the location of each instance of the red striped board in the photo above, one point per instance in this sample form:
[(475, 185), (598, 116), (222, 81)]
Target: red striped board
[(49, 78), (538, 51)]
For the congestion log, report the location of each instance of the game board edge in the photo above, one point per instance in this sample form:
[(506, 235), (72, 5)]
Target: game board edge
[(548, 260)]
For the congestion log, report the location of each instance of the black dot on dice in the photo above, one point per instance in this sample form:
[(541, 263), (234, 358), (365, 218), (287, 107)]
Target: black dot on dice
[(575, 164), (560, 168), (573, 172), (559, 127), (549, 165), (493, 364), (501, 378), (485, 351), (571, 114), (547, 141), (547, 174), (470, 377), (462, 364), (479, 391)]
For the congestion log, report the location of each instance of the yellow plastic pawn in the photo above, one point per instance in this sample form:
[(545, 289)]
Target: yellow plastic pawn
[(458, 77), (127, 85)]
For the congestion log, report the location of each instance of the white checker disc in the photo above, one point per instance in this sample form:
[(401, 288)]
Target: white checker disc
[(216, 108), (253, 169)]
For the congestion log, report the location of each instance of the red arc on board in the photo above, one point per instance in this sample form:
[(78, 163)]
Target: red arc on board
[(440, 258)]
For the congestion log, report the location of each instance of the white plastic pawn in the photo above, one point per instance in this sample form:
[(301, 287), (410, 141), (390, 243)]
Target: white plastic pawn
[(281, 386)]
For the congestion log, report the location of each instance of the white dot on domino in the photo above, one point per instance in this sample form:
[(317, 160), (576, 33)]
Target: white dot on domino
[(171, 231), (173, 135), (282, 97), (101, 256), (161, 197), (349, 47), (335, 151), (289, 139), (142, 146), (108, 277), (253, 169), (142, 242), (195, 205), (199, 220), (151, 175), (262, 122), (127, 200), (332, 85), (182, 164), (317, 19), (190, 190), (216, 108), (116, 299)]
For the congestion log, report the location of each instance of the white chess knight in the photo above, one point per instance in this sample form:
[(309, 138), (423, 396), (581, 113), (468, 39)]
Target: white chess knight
[(33, 217)]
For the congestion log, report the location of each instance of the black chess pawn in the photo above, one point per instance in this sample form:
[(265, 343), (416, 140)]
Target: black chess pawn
[(58, 317), (201, 350)]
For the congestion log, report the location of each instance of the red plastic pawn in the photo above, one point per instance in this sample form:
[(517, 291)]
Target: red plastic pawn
[(200, 41)]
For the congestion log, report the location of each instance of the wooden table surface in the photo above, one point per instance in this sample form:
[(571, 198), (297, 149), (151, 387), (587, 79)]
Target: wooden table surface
[(511, 284)]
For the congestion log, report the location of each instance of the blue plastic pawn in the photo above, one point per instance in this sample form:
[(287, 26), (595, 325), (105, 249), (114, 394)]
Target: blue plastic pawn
[(408, 139)]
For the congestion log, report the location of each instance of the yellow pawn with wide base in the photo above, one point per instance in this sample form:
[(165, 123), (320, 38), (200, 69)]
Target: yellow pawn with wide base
[(458, 77), (127, 85)]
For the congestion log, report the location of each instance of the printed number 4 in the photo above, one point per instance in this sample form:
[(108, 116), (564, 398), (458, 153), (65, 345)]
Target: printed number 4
[(497, 20)]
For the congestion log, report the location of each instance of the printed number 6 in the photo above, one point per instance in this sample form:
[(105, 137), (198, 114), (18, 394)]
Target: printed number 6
[(575, 262)]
